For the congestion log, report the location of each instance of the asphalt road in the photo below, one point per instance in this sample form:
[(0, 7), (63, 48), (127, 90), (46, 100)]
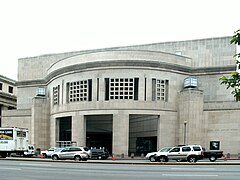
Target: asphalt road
[(42, 170)]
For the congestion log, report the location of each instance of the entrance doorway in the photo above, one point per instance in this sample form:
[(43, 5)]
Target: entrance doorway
[(99, 131), (142, 133), (65, 129)]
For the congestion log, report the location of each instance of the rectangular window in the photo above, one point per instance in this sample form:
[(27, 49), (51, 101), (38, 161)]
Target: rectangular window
[(159, 90), (97, 89), (106, 89), (136, 80), (56, 92), (10, 89), (79, 91), (122, 88), (1, 86), (145, 89), (89, 90)]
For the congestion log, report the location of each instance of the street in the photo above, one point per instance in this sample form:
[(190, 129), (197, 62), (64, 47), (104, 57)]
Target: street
[(42, 170)]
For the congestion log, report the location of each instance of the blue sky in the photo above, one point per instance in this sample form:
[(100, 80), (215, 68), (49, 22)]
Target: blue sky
[(36, 27)]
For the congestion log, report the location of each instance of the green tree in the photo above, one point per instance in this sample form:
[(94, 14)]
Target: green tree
[(233, 81)]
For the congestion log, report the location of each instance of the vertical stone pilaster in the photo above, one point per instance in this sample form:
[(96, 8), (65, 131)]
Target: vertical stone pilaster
[(79, 130), (102, 89), (149, 88), (40, 122), (120, 133), (141, 89), (191, 113), (94, 89), (54, 131)]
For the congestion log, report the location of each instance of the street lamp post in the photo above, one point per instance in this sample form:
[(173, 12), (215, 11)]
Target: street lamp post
[(185, 132)]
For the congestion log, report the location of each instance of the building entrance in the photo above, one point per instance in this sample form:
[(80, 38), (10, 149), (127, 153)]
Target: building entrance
[(99, 131), (143, 130), (65, 128)]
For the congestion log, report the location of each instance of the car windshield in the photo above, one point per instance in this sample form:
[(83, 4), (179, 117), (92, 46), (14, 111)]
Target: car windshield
[(58, 149), (85, 148), (165, 149)]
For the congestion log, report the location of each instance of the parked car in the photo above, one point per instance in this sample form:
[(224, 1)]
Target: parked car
[(190, 153), (212, 155), (76, 153), (151, 156), (30, 151), (98, 154), (50, 151)]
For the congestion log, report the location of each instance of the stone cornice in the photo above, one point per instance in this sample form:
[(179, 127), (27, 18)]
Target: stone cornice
[(8, 96), (128, 64)]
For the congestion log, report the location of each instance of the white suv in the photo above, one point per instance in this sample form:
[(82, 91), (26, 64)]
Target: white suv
[(76, 153), (190, 153)]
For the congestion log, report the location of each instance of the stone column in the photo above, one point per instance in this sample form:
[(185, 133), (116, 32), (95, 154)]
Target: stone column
[(79, 130), (141, 89), (54, 131), (191, 120), (120, 133), (40, 123)]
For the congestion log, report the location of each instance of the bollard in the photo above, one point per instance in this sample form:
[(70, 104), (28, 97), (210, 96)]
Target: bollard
[(132, 155), (238, 155), (142, 156), (122, 155)]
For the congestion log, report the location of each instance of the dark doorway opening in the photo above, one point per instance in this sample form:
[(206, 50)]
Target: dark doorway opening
[(145, 145), (99, 131), (100, 140), (65, 129), (143, 129)]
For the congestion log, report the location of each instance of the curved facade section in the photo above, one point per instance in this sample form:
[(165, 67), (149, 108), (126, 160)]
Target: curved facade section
[(117, 55)]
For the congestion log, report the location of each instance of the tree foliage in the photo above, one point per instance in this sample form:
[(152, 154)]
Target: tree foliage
[(233, 81)]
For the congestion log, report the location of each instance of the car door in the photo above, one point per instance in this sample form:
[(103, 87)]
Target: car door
[(64, 153), (74, 151), (185, 152), (174, 153)]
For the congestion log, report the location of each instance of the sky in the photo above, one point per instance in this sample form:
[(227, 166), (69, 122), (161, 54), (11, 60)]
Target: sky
[(36, 27)]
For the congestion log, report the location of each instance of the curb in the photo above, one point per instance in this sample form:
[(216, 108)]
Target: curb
[(122, 162)]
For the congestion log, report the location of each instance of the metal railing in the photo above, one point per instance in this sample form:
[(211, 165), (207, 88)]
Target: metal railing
[(65, 143)]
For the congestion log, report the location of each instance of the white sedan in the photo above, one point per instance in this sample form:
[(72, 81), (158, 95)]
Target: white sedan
[(151, 156)]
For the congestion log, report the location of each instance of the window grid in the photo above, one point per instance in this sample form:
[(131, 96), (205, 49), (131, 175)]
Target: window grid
[(160, 89), (56, 95), (78, 91), (121, 88)]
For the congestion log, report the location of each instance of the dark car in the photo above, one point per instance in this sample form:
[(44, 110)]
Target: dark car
[(98, 154)]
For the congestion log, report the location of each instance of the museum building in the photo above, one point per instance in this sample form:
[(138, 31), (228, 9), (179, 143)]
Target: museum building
[(132, 99)]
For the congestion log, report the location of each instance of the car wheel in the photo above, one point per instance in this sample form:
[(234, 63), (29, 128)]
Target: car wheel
[(192, 159), (99, 157), (212, 158), (152, 159), (55, 157), (77, 158), (162, 159)]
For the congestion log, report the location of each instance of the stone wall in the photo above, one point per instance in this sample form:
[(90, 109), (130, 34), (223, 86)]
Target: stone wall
[(18, 118)]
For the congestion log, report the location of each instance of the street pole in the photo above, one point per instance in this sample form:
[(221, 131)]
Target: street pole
[(185, 132)]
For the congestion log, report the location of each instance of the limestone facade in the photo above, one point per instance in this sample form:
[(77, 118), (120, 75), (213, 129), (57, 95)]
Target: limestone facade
[(130, 99)]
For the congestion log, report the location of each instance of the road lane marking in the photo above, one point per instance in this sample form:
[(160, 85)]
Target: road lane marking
[(192, 175), (195, 169), (5, 168), (28, 164)]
